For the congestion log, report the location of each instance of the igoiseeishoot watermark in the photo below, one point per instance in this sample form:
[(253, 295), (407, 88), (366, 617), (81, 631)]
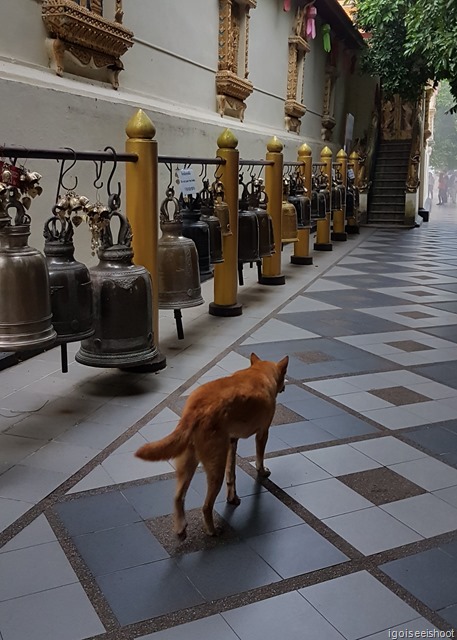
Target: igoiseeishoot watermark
[(425, 633)]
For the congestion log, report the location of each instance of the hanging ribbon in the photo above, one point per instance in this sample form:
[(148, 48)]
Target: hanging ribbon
[(326, 38), (287, 4), (311, 13)]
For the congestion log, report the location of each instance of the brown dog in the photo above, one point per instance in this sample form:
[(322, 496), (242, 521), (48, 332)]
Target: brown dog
[(214, 417)]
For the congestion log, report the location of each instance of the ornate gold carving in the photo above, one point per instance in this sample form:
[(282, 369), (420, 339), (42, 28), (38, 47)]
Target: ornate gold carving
[(397, 119), (298, 47), (86, 35), (233, 87), (412, 180)]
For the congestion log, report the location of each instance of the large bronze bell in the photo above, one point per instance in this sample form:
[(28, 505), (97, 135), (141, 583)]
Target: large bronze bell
[(25, 309), (289, 217), (221, 209), (258, 203), (69, 282), (198, 231), (300, 201), (248, 231), (122, 299), (214, 225), (179, 275)]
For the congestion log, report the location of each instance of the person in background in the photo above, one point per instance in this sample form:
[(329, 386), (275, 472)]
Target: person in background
[(441, 188), (431, 184), (452, 186)]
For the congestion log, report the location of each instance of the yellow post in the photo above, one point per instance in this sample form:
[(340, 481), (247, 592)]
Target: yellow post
[(323, 224), (271, 266), (142, 209), (226, 273), (352, 226), (301, 248), (339, 232)]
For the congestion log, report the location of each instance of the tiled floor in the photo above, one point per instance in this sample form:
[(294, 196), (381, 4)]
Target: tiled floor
[(354, 534)]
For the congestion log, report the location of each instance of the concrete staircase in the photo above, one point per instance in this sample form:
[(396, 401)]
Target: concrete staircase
[(387, 196)]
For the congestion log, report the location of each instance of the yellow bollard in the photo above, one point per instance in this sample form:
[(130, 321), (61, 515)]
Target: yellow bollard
[(338, 232), (142, 209), (301, 248), (226, 273), (271, 266), (323, 225), (352, 224)]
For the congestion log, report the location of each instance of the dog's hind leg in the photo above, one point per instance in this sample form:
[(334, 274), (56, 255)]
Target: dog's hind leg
[(230, 473), (186, 465), (260, 444), (215, 477)]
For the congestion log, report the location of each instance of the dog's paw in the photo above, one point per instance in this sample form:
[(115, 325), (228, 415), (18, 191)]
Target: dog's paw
[(181, 533), (215, 532), (235, 500), (263, 472)]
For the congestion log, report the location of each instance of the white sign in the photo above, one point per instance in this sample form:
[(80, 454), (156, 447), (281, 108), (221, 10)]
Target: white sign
[(186, 181)]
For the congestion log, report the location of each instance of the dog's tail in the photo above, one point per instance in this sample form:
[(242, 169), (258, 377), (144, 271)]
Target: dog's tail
[(169, 447)]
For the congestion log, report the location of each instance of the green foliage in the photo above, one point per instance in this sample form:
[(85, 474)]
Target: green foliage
[(412, 41), (444, 153)]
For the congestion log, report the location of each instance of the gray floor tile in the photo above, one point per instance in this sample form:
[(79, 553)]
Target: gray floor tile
[(420, 624), (96, 513), (431, 576), (60, 457), (15, 448), (426, 514), (372, 530), (345, 425), (296, 550), (64, 613), (388, 450), (11, 510), (258, 514), (435, 439), (285, 616), (205, 568), (428, 473), (38, 532), (156, 498), (341, 459), (119, 548), (358, 605), (448, 495), (450, 615), (313, 408), (294, 469), (124, 467), (29, 484), (327, 498), (299, 434), (34, 569), (148, 591), (246, 446), (213, 627)]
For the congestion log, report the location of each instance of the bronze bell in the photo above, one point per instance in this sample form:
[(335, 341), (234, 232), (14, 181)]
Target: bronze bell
[(198, 231), (122, 298), (257, 197), (179, 275), (25, 310), (289, 217), (337, 202), (221, 209), (248, 231), (69, 281), (300, 201), (214, 225)]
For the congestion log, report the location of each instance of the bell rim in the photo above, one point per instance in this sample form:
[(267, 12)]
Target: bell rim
[(41, 343), (186, 305), (115, 361)]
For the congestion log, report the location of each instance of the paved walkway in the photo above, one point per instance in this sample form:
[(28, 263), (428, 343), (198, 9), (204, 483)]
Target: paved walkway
[(353, 536)]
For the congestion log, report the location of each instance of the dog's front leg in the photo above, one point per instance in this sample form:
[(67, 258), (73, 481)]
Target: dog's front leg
[(260, 444), (230, 473)]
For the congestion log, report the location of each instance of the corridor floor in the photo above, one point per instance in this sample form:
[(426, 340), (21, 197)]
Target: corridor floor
[(354, 535)]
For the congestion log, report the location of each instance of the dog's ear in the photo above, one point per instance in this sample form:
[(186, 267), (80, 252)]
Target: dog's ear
[(254, 358), (282, 365)]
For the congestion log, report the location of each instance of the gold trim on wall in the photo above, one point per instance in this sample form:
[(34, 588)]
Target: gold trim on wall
[(86, 35), (328, 121), (232, 84), (294, 108)]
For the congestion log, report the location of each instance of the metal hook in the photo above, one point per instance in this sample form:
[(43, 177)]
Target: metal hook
[(63, 173), (262, 167), (203, 172), (98, 174), (169, 166), (108, 186)]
